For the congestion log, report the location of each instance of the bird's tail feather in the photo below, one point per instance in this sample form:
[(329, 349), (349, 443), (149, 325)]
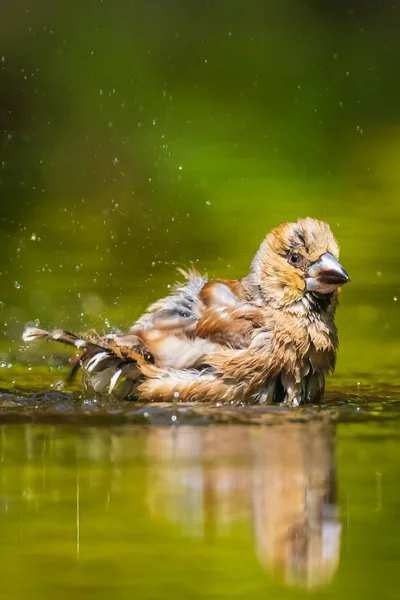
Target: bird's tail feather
[(32, 334), (104, 368)]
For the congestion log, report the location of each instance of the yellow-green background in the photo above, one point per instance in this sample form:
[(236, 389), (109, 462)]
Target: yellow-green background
[(138, 136)]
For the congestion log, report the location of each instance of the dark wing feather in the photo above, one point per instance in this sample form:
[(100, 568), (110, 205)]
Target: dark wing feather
[(178, 312)]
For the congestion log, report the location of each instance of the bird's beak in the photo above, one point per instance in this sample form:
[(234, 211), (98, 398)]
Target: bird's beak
[(326, 275)]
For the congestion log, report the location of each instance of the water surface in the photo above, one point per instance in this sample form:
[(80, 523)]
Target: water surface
[(192, 512), (199, 501)]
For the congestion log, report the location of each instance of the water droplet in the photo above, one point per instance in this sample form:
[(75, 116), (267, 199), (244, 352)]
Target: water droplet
[(18, 286), (173, 418), (58, 385), (33, 237), (176, 394)]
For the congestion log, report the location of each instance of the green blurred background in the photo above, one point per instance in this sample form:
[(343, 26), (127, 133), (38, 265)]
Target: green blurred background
[(141, 136)]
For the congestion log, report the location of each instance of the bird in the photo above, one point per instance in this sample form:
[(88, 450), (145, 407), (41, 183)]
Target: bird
[(269, 337)]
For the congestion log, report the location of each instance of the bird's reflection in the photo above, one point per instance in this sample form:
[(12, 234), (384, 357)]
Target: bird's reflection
[(281, 478), (271, 486)]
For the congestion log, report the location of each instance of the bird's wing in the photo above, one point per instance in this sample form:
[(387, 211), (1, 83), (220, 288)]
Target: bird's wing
[(179, 311), (229, 374), (196, 319), (176, 334)]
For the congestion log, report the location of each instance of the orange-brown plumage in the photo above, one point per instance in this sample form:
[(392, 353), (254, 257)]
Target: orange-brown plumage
[(267, 337)]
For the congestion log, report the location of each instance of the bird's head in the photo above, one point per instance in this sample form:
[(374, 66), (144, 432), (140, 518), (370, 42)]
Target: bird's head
[(298, 261)]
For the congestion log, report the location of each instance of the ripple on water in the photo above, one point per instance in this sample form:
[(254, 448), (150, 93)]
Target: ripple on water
[(342, 405)]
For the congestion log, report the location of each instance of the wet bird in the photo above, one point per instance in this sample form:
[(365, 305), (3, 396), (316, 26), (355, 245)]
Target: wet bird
[(268, 337)]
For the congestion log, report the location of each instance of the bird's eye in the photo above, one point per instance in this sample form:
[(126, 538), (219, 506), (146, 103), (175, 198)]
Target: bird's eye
[(294, 259)]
